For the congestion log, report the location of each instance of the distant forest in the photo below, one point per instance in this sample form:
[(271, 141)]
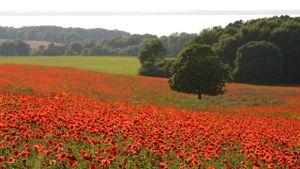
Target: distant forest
[(78, 41), (260, 51), (265, 50), (57, 34)]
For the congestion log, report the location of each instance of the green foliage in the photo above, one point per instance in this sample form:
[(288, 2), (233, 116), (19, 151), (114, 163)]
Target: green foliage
[(151, 57), (8, 48), (208, 36), (113, 41), (98, 50), (152, 51), (226, 49), (283, 31), (14, 48), (287, 38), (57, 34), (53, 50), (125, 41), (22, 48), (160, 69), (151, 69), (74, 49), (176, 42), (197, 71), (259, 62)]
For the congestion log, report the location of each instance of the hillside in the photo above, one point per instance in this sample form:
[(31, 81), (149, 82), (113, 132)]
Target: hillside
[(57, 34)]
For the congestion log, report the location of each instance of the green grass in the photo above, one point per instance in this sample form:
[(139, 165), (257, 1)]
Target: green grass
[(108, 64)]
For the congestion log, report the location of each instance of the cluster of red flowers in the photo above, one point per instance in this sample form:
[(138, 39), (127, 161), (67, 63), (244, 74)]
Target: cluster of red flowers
[(71, 130), (240, 98), (41, 80), (40, 128)]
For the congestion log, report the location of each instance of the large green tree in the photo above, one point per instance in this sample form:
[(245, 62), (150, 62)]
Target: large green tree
[(287, 38), (152, 51), (227, 48), (153, 62), (8, 48), (259, 62), (198, 71), (22, 48)]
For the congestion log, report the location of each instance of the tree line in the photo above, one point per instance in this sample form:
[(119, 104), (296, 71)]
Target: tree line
[(261, 51), (125, 45), (57, 34), (14, 48)]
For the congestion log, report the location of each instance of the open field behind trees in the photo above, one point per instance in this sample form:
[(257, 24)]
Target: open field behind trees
[(108, 64)]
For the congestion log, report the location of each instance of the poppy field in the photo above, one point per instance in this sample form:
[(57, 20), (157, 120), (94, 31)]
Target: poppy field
[(67, 118)]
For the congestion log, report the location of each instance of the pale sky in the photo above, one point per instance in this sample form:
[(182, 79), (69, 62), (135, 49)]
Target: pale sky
[(140, 5), (161, 17)]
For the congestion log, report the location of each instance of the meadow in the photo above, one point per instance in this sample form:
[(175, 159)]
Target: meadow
[(109, 64), (59, 117)]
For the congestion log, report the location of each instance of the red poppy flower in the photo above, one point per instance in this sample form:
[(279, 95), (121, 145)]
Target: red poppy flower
[(162, 165), (11, 160)]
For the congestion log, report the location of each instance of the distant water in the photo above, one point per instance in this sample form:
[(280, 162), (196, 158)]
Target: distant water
[(159, 25)]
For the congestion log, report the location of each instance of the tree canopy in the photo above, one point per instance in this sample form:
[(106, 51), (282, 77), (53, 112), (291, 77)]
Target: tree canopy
[(14, 48), (259, 62), (283, 32), (152, 59), (198, 71), (152, 51), (57, 34)]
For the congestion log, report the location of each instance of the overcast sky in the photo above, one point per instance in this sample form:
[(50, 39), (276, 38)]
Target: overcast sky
[(160, 17)]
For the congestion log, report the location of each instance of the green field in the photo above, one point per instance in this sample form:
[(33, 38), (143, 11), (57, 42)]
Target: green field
[(109, 64)]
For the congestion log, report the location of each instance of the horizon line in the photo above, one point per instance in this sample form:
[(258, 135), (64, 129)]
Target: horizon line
[(145, 13)]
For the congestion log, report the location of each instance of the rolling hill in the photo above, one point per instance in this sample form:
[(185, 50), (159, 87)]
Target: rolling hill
[(57, 34)]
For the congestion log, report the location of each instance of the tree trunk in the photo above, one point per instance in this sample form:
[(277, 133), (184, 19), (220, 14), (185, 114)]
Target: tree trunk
[(200, 96)]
